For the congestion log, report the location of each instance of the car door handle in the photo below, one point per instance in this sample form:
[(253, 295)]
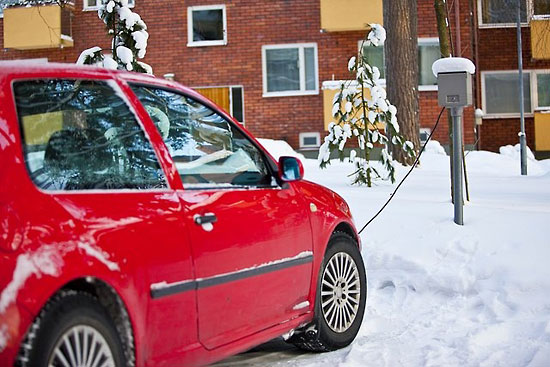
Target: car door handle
[(204, 219)]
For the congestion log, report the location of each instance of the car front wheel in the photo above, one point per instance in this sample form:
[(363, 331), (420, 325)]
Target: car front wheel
[(341, 298)]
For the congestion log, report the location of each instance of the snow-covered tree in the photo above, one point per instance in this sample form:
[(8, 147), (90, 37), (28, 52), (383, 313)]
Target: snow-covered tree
[(129, 42), (362, 111)]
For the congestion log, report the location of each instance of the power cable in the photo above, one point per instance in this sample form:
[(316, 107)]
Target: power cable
[(408, 173)]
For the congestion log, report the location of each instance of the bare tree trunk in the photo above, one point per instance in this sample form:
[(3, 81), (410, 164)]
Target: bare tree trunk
[(401, 47)]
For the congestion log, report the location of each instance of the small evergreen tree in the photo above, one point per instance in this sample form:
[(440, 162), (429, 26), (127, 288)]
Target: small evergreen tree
[(129, 43), (370, 118)]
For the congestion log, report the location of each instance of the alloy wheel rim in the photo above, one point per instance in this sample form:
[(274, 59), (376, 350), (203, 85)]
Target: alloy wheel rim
[(340, 292), (82, 346)]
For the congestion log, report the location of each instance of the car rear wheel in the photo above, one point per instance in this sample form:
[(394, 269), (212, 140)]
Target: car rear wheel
[(341, 298), (73, 330)]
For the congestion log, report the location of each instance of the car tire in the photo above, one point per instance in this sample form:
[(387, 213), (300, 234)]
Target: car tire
[(73, 329), (340, 300)]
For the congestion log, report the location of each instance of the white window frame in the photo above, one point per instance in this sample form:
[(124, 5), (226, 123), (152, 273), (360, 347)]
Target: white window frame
[(231, 101), (190, 10), (316, 135), (535, 90), (382, 80), (427, 41), (500, 25), (301, 58), (85, 7), (532, 86)]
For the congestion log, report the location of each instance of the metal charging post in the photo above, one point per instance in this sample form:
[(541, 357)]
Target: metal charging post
[(454, 80), (458, 196)]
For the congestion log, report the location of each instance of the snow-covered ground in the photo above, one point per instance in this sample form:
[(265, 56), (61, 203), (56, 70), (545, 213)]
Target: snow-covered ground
[(442, 294)]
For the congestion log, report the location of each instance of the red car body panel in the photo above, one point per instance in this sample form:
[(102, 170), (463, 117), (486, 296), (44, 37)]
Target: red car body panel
[(235, 286)]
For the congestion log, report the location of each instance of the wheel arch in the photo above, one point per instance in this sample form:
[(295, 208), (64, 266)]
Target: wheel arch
[(348, 229), (112, 302)]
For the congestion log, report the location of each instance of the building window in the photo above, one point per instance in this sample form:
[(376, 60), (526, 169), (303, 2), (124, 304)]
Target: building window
[(428, 53), (95, 4), (310, 140), (230, 99), (424, 133), (540, 9), (206, 25), (543, 90), (290, 70), (501, 13), (501, 92), (375, 56), (237, 104)]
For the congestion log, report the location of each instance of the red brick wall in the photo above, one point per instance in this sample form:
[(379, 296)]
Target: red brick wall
[(495, 133)]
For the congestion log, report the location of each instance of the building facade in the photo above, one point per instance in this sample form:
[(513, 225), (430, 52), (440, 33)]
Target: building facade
[(271, 63)]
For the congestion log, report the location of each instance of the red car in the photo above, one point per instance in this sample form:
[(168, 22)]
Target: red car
[(141, 225)]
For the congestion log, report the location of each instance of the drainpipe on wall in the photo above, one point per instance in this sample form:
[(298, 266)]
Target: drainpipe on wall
[(475, 53), (457, 29)]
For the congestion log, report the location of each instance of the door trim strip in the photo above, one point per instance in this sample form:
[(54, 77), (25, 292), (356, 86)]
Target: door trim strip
[(163, 289)]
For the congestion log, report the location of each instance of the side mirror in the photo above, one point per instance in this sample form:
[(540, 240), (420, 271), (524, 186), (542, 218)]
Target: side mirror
[(290, 169)]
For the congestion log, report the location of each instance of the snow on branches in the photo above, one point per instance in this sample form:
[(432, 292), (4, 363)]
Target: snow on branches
[(363, 112), (129, 43)]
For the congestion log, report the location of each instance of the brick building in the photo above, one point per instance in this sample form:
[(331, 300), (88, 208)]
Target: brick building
[(267, 61)]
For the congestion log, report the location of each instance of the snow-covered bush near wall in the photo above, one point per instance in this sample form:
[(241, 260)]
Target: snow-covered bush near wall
[(363, 113), (129, 43)]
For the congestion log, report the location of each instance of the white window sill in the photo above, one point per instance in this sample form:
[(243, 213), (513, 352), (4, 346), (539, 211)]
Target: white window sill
[(207, 43), (96, 8), (502, 25), (505, 116), (290, 93), (427, 88)]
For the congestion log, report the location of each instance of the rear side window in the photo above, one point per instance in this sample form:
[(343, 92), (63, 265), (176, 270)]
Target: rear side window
[(80, 135), (206, 148)]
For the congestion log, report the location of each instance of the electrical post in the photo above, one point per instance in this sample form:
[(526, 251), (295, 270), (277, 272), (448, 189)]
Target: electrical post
[(458, 196), (454, 80)]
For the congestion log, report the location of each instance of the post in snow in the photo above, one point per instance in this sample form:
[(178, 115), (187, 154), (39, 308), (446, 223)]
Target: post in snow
[(454, 79)]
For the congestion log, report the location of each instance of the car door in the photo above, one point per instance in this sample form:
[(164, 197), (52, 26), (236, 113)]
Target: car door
[(250, 238), (92, 161)]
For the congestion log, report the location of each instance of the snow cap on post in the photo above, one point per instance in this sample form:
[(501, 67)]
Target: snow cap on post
[(453, 65)]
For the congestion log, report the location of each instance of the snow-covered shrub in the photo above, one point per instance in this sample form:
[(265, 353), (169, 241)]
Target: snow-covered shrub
[(129, 43), (362, 112)]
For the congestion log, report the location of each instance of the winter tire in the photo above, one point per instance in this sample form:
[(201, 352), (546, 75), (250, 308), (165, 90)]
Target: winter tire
[(73, 330), (341, 298)]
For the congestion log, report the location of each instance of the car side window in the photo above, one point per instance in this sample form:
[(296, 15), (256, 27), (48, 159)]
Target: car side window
[(206, 148), (80, 135)]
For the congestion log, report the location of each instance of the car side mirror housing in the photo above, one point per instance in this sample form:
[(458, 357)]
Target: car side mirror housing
[(290, 169)]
